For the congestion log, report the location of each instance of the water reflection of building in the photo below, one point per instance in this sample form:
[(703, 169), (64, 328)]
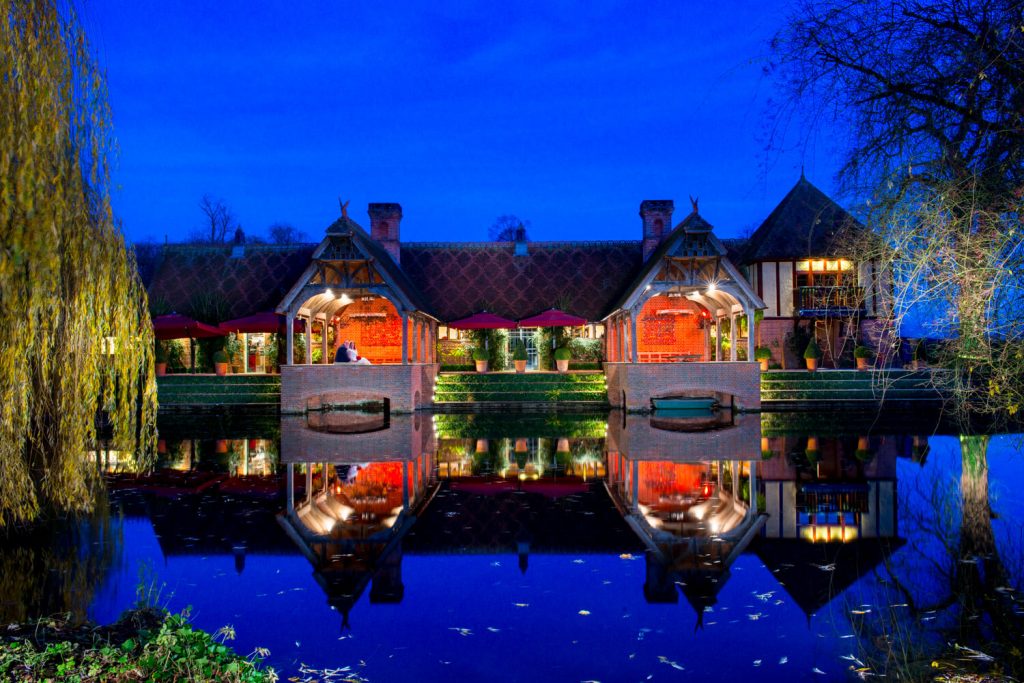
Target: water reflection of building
[(522, 495), (688, 495), (362, 493), (832, 511)]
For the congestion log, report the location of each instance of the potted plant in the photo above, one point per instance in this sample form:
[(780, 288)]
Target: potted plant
[(762, 355), (519, 356), (562, 358), (161, 359), (480, 358), (811, 354), (862, 354), (220, 362)]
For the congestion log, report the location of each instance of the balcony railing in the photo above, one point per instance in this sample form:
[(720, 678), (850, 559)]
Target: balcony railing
[(823, 302)]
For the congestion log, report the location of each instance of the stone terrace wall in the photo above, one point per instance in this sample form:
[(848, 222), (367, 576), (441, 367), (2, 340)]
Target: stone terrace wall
[(643, 381), (307, 387)]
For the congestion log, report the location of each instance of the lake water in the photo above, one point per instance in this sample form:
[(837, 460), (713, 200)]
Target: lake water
[(561, 548)]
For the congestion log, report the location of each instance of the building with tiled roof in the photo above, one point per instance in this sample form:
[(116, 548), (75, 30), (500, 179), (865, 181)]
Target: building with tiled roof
[(655, 299)]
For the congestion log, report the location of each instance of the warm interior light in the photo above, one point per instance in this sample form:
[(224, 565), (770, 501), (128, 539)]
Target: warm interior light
[(711, 288), (845, 265), (344, 299), (329, 293)]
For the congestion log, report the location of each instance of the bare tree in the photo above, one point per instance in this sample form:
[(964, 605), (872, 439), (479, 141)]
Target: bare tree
[(219, 218), (507, 229), (932, 96), (285, 233)]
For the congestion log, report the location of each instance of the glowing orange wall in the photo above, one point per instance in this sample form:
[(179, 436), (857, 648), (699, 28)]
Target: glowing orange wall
[(378, 339), (669, 333)]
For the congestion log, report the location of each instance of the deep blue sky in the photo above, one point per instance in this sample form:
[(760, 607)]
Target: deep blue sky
[(567, 114)]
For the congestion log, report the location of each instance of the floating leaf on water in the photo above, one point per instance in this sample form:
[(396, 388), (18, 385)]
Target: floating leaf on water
[(492, 629), (831, 567), (521, 604), (860, 611), (818, 671), (783, 660), (584, 613), (757, 662), (577, 561), (626, 556)]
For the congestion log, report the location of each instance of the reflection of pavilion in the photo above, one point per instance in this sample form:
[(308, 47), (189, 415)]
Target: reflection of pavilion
[(687, 495), (362, 495)]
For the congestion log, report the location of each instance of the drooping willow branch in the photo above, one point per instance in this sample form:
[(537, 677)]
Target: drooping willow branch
[(75, 335)]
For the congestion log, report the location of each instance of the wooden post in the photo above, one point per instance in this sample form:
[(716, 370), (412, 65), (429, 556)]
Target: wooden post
[(733, 336), (635, 354), (289, 333), (405, 338)]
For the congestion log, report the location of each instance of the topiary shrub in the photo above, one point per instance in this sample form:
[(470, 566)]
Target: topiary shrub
[(562, 353), (221, 357), (862, 352), (762, 353), (519, 351), (480, 354), (812, 352)]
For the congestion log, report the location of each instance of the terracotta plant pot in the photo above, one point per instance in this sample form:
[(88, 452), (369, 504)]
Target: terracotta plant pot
[(862, 363), (764, 365), (562, 365), (520, 365), (222, 446), (221, 369), (812, 364), (481, 366), (161, 369)]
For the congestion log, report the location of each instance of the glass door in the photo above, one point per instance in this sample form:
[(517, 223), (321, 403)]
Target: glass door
[(525, 336)]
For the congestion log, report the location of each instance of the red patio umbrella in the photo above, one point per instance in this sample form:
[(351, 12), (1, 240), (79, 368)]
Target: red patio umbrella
[(267, 321), (177, 326), (483, 321), (553, 318)]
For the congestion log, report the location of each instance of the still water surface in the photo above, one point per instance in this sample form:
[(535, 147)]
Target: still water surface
[(561, 548)]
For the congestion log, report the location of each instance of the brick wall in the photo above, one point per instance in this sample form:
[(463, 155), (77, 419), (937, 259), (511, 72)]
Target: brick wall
[(307, 387), (377, 338), (672, 333), (637, 439), (643, 381), (773, 336)]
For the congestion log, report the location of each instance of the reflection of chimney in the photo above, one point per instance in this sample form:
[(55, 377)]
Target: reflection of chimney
[(384, 224), (657, 217)]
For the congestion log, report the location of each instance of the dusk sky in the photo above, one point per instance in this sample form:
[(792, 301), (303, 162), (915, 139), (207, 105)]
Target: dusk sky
[(566, 114)]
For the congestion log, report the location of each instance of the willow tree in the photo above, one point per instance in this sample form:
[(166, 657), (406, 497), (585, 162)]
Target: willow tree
[(75, 336), (929, 97)]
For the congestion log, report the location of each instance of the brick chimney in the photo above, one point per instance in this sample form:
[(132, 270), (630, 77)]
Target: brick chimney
[(657, 217), (384, 223)]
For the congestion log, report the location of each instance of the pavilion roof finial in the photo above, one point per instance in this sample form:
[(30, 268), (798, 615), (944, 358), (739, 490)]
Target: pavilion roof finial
[(344, 207), (693, 203)]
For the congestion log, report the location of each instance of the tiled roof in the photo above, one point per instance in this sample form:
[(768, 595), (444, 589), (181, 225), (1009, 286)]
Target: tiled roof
[(805, 223), (461, 278), (250, 283)]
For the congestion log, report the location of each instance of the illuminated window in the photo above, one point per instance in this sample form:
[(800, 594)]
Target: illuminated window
[(803, 266)]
